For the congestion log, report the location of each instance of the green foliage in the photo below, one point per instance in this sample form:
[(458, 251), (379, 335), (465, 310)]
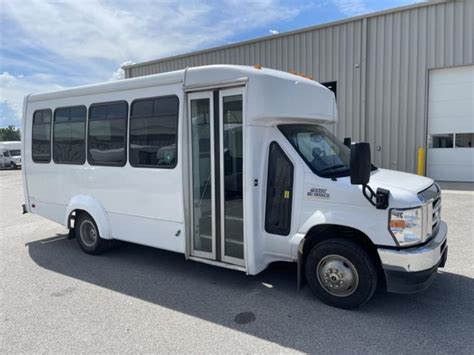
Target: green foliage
[(10, 133)]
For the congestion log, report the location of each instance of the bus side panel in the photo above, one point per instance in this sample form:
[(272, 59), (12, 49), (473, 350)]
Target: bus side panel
[(162, 234), (143, 205)]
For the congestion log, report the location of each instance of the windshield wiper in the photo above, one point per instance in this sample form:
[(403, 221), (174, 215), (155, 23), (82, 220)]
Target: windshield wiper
[(332, 167)]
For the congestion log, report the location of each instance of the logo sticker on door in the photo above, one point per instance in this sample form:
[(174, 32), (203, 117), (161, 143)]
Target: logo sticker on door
[(316, 192)]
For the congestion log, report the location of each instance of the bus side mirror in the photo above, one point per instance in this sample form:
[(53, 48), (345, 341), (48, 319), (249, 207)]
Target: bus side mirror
[(348, 142), (360, 163)]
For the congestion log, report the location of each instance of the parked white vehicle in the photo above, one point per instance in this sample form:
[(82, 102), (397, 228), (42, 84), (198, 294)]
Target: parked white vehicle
[(231, 166), (10, 155)]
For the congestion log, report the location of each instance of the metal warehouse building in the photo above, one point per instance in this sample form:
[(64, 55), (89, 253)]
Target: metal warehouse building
[(403, 78)]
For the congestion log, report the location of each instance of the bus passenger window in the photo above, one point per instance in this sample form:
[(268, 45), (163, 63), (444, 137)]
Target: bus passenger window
[(107, 134), (41, 137), (69, 133), (153, 132)]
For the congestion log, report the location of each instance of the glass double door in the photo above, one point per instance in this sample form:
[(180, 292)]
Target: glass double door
[(216, 169)]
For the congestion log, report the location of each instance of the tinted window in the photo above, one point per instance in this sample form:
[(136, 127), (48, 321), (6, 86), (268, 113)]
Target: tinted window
[(107, 134), (464, 140), (153, 132), (441, 141), (279, 192), (69, 135), (41, 137)]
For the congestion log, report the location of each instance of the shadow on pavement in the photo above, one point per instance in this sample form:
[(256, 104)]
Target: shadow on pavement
[(268, 305)]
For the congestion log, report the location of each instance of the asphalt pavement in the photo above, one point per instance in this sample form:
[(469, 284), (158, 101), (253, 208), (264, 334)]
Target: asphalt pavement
[(55, 298)]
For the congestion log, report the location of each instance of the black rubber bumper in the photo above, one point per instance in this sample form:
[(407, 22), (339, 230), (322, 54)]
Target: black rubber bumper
[(412, 282)]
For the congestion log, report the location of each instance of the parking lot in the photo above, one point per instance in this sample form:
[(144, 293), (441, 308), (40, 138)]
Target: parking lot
[(55, 298)]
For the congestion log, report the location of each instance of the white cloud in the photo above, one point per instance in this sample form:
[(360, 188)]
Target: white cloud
[(139, 30), (273, 32), (119, 74), (352, 7), (76, 42), (13, 89)]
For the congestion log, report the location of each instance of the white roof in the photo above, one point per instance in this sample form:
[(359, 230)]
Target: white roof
[(271, 94)]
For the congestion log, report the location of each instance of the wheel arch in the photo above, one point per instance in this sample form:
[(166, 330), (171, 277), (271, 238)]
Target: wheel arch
[(321, 232), (87, 204)]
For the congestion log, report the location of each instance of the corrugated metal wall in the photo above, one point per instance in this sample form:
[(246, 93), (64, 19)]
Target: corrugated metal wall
[(380, 64)]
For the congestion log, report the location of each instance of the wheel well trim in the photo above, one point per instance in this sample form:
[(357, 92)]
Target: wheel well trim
[(91, 206)]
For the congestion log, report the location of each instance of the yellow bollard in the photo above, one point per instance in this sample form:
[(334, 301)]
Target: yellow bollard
[(421, 161)]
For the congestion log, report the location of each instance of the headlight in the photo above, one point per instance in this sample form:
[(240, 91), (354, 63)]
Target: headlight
[(406, 226)]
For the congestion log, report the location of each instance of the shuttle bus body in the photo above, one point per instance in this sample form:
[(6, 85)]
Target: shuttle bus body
[(10, 154), (231, 166)]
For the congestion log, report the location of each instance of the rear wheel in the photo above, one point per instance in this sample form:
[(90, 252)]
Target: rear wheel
[(341, 273), (88, 237)]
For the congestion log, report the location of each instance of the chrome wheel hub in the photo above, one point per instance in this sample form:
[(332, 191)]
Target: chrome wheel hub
[(337, 275), (88, 233)]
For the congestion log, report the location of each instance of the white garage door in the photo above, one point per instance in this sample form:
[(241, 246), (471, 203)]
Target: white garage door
[(451, 124)]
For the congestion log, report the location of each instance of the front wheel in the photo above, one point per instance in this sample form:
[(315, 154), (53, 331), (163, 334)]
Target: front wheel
[(341, 273), (12, 165), (88, 237)]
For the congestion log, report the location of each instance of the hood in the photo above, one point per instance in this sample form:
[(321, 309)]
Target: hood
[(403, 187)]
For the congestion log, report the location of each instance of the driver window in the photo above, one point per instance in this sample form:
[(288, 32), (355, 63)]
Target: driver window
[(318, 149), (314, 145)]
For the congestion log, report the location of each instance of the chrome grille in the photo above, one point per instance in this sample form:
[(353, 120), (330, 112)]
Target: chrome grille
[(436, 216), (432, 197)]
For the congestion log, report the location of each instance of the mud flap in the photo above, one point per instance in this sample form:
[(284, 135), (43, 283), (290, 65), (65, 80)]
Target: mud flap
[(71, 234), (301, 278)]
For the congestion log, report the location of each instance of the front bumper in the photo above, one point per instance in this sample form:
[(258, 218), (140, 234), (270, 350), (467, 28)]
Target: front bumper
[(413, 269)]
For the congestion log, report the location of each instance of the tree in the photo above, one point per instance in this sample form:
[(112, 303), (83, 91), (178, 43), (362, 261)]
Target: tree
[(10, 133)]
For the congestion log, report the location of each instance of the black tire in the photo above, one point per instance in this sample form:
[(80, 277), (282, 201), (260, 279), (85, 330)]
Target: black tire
[(12, 165), (357, 268), (87, 235)]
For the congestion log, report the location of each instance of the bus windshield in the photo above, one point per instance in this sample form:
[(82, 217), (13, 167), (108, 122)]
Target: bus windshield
[(321, 150), (15, 152)]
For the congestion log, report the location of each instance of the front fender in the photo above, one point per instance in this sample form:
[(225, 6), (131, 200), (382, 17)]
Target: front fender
[(370, 221), (95, 209)]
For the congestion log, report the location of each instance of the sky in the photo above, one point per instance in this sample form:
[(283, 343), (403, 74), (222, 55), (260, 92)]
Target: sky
[(49, 45)]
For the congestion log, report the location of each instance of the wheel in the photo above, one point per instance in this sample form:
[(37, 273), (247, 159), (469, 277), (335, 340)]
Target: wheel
[(87, 235), (341, 273), (12, 165)]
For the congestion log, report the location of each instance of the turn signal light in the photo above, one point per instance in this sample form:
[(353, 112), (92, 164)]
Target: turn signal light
[(397, 224)]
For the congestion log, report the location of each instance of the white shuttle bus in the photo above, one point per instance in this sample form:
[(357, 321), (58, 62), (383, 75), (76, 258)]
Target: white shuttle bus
[(230, 166), (10, 154)]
